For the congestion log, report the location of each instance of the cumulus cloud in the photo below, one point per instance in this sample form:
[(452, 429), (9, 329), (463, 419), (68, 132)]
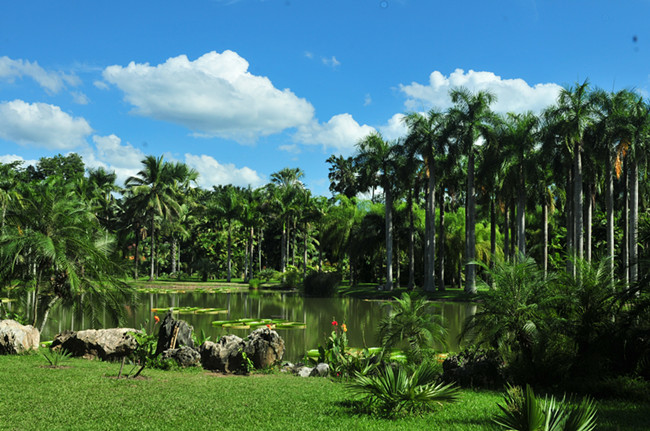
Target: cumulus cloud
[(51, 81), (394, 128), (341, 132), (212, 173), (213, 96), (9, 158), (41, 124), (513, 95), (111, 154)]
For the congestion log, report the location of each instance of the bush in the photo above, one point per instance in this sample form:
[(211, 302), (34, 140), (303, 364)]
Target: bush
[(254, 283), (322, 284), (291, 277), (268, 274), (474, 368)]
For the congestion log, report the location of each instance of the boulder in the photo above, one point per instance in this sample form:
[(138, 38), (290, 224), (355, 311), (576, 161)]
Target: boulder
[(304, 371), (184, 356), (167, 330), (17, 338), (264, 347), (320, 370), (225, 355), (105, 344)]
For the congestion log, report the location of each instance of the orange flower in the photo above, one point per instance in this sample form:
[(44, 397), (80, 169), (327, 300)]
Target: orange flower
[(268, 326), (344, 327), (156, 318)]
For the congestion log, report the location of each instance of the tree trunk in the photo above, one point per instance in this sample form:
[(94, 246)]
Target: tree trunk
[(304, 256), (506, 233), (411, 282), (389, 238), (229, 252), (174, 251), (610, 214), (588, 220), (545, 236), (441, 244), (570, 225), (47, 312), (521, 213), (634, 221), (430, 229), (136, 258), (283, 246), (577, 203), (470, 241), (153, 251), (626, 224), (259, 250)]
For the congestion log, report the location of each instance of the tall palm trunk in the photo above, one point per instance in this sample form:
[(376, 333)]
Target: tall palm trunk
[(441, 244), (283, 246), (153, 251), (409, 204), (389, 238), (570, 224), (610, 214), (430, 230), (174, 252), (521, 213), (47, 312), (634, 221), (545, 236), (626, 223), (577, 203), (588, 215), (229, 251), (506, 232), (470, 241)]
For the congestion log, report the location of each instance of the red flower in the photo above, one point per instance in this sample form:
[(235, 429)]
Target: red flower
[(334, 323), (268, 326), (156, 318)]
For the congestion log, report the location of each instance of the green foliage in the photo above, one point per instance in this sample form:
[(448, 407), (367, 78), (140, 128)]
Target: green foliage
[(268, 274), (200, 339), (292, 277), (322, 284), (411, 322), (247, 364), (523, 411), (393, 390), (56, 357), (254, 283)]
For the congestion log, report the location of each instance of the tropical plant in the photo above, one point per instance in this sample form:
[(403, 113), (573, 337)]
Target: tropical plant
[(411, 321), (523, 411), (56, 357), (393, 390)]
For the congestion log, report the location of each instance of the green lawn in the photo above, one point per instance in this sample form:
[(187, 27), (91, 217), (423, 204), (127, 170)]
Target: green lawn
[(85, 397)]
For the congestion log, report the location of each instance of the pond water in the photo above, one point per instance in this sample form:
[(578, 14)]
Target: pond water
[(361, 316)]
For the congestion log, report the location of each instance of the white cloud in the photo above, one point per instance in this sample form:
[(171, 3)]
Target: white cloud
[(53, 82), (367, 100), (309, 54), (101, 85), (394, 128), (332, 62), (110, 154), (513, 95), (341, 132), (41, 124), (212, 173), (291, 148), (214, 95), (80, 98), (8, 158)]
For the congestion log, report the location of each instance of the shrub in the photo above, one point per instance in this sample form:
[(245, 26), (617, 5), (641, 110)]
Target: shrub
[(268, 274), (393, 390), (291, 277), (322, 284), (524, 411), (474, 368), (254, 283)]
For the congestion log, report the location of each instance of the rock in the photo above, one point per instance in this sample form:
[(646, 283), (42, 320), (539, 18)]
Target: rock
[(264, 347), (167, 328), (184, 356), (320, 370), (105, 344), (225, 355), (304, 371), (17, 338)]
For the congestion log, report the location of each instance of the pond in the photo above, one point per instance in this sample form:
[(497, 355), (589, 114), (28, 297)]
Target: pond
[(361, 316)]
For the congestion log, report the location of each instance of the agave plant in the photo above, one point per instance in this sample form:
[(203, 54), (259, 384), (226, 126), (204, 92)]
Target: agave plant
[(393, 390), (523, 411), (56, 357)]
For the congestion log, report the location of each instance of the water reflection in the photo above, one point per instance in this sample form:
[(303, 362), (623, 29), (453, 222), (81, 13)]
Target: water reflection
[(361, 316)]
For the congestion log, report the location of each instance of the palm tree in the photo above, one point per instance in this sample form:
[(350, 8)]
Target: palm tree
[(54, 241), (470, 117), (286, 185), (427, 138), (375, 160), (227, 205), (412, 321), (576, 111), (155, 195)]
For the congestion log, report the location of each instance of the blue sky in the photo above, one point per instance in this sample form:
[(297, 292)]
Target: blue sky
[(239, 89)]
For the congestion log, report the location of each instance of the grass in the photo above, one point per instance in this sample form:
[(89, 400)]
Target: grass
[(85, 397)]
